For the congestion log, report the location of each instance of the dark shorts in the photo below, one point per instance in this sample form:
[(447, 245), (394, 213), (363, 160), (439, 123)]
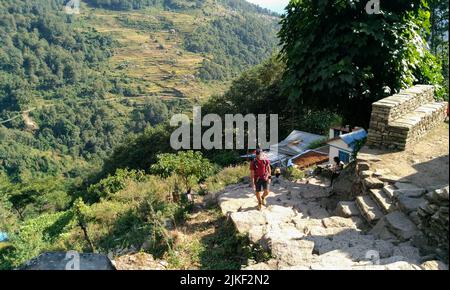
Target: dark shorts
[(261, 184)]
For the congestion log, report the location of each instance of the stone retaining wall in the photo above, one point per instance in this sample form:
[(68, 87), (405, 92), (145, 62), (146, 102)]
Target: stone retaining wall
[(434, 221), (401, 119)]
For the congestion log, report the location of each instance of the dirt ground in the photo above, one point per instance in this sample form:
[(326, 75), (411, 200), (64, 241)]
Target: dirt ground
[(425, 163)]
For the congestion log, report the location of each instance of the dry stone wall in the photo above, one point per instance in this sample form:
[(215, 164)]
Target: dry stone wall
[(399, 120), (434, 220)]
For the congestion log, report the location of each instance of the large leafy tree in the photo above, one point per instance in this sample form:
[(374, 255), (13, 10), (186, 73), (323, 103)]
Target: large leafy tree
[(438, 38), (340, 57)]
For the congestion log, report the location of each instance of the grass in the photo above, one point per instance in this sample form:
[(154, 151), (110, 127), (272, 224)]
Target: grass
[(208, 241)]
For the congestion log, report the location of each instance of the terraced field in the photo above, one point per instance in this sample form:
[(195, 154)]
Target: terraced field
[(150, 53)]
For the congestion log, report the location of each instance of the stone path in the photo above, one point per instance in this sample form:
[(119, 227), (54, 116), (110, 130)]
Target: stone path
[(300, 233)]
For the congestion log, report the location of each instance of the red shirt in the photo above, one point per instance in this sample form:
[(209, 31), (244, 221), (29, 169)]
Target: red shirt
[(261, 171)]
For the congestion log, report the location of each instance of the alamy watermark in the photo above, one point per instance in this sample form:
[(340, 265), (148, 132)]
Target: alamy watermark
[(74, 260), (72, 7), (373, 7), (227, 134)]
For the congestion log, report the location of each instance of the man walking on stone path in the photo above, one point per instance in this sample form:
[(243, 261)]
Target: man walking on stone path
[(260, 175)]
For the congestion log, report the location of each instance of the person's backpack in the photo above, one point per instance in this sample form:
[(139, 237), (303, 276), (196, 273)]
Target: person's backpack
[(266, 164)]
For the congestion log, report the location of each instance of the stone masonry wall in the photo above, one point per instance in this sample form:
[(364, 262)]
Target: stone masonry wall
[(398, 120), (434, 220)]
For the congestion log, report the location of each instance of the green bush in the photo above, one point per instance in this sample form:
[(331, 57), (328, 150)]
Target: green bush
[(37, 235), (113, 183), (293, 173), (227, 176), (191, 166)]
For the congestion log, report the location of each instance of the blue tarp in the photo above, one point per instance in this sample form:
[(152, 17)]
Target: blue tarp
[(3, 237), (351, 138)]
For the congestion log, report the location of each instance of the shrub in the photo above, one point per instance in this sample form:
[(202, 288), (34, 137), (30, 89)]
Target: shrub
[(229, 175), (293, 173)]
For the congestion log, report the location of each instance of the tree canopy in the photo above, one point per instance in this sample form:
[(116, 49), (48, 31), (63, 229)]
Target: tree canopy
[(340, 57)]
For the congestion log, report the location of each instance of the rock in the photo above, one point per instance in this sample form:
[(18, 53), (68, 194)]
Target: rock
[(256, 233), (434, 265), (362, 166), (303, 224), (286, 233), (414, 216), (139, 261), (346, 209), (399, 265), (384, 248), (294, 268), (245, 220), (415, 193), (381, 231), (366, 173), (292, 252), (71, 260), (278, 214), (344, 183), (406, 186), (334, 260), (340, 222), (316, 211), (373, 183), (410, 253), (400, 225), (409, 204), (270, 265), (368, 208)]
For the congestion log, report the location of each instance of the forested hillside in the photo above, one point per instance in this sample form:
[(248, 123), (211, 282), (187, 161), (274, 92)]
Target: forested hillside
[(74, 86)]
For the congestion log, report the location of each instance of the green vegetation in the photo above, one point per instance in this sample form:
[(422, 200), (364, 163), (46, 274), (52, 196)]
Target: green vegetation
[(259, 91), (190, 166), (231, 54), (293, 173), (85, 157), (383, 53)]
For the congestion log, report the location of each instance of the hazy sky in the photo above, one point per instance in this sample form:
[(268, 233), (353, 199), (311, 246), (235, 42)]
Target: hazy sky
[(274, 5)]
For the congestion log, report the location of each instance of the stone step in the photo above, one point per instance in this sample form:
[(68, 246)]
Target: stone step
[(382, 199), (347, 209), (372, 182), (410, 204), (389, 190), (399, 224), (368, 208)]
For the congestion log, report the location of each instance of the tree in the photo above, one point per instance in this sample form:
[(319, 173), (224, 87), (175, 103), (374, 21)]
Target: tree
[(191, 166), (438, 37), (81, 215), (340, 57)]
